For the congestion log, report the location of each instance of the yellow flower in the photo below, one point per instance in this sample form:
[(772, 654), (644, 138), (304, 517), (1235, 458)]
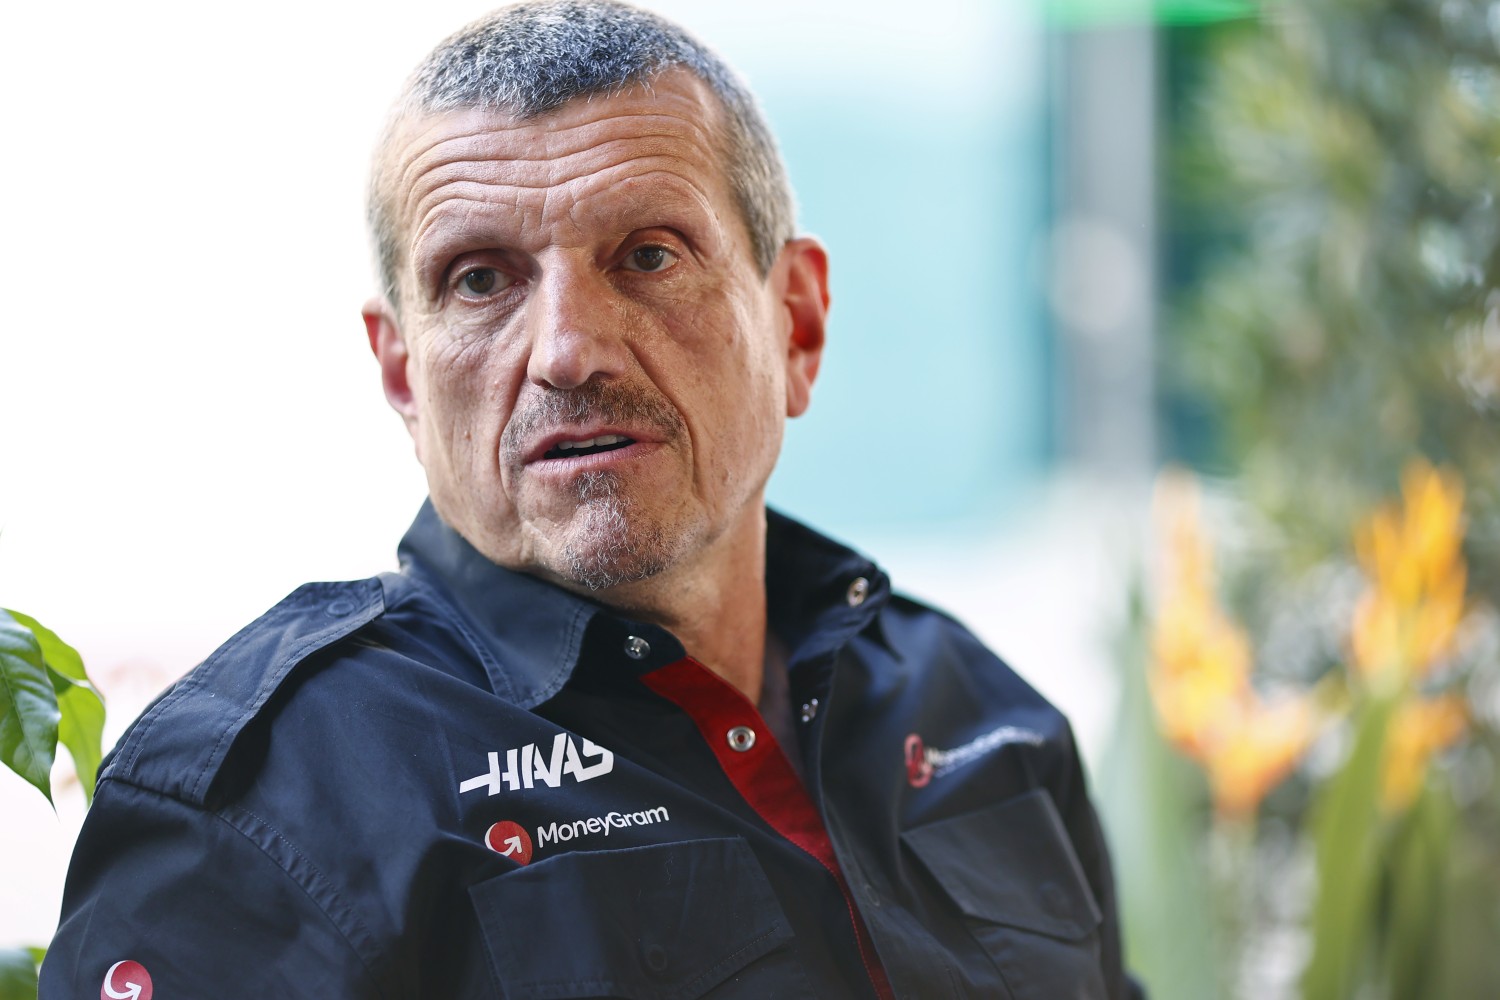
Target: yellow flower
[(1420, 728), (1406, 622), (1200, 672), (1256, 749)]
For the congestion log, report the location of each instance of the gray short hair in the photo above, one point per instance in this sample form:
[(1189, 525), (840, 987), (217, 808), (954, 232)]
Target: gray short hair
[(530, 59)]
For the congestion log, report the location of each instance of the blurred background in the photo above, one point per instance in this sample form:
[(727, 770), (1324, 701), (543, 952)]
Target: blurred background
[(1072, 243)]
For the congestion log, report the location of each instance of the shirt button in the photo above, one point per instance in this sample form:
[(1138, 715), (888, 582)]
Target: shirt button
[(637, 648), (656, 958), (859, 589), (810, 710), (741, 738)]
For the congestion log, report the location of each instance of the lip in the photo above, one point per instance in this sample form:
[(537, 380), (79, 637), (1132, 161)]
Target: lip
[(535, 456), (574, 465)]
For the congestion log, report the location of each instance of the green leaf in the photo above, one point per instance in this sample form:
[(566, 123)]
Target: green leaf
[(28, 706), (17, 974), (58, 654), (81, 728), (1415, 907), (1151, 800), (1346, 838)]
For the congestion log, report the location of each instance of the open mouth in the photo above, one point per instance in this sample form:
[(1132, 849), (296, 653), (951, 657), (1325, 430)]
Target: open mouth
[(592, 446)]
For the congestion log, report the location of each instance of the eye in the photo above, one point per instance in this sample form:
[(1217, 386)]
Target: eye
[(650, 259), (482, 281)]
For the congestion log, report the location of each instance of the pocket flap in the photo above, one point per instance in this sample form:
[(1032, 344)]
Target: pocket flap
[(1011, 864), (663, 921)]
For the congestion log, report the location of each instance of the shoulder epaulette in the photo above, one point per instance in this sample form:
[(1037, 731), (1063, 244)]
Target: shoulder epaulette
[(181, 742)]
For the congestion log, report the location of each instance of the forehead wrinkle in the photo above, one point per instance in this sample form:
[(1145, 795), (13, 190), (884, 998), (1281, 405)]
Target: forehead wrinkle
[(477, 148), (551, 172), (561, 135), (486, 140)]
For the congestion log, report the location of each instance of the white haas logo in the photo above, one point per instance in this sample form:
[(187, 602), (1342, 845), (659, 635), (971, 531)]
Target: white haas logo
[(525, 766)]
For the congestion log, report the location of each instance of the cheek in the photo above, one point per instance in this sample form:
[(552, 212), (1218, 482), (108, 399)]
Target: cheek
[(739, 378), (466, 398)]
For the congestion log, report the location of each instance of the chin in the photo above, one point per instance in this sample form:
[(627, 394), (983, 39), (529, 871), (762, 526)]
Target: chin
[(613, 539)]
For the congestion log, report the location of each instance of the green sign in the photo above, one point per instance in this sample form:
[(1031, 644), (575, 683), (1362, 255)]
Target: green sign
[(1091, 13)]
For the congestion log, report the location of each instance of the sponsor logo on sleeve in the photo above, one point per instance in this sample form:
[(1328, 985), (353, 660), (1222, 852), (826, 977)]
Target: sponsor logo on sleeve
[(126, 981), (530, 765), (924, 763)]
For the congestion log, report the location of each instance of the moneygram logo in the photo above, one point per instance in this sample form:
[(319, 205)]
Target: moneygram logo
[(562, 832), (924, 763), (510, 840), (528, 766), (126, 981)]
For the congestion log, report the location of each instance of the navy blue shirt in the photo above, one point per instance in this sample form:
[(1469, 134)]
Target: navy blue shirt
[(461, 781)]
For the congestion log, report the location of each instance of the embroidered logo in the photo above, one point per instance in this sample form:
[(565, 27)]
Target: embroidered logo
[(510, 840), (126, 981), (557, 832), (526, 766), (923, 763), (918, 768)]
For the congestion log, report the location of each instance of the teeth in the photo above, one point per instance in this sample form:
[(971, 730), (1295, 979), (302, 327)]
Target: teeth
[(598, 442)]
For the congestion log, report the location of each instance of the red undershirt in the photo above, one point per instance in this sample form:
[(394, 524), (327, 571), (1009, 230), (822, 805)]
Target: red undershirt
[(763, 776)]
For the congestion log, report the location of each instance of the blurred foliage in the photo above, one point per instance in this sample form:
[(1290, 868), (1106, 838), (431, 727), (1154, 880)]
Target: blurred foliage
[(18, 973), (1375, 826), (1332, 269), (1345, 310)]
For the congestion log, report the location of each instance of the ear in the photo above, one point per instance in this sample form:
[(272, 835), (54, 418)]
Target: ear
[(804, 295), (390, 349)]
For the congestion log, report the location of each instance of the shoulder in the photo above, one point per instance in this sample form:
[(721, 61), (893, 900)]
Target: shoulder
[(932, 643), (181, 742)]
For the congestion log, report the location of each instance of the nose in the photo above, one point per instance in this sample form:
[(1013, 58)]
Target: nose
[(577, 328)]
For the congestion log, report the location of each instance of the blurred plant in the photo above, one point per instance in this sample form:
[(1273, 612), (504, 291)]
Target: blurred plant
[(1334, 230), (1200, 677), (1379, 841), (1332, 224), (1380, 832), (45, 698)]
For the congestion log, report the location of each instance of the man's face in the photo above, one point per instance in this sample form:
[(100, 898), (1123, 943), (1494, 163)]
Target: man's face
[(593, 370)]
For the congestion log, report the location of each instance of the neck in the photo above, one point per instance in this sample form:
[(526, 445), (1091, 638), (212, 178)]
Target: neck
[(716, 605)]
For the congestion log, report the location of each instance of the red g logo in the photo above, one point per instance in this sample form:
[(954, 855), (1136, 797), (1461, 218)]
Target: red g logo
[(918, 767), (126, 981), (510, 840)]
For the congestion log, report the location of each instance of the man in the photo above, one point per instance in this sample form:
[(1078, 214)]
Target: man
[(614, 729)]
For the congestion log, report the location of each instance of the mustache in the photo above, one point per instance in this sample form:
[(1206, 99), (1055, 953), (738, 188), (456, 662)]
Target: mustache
[(602, 401)]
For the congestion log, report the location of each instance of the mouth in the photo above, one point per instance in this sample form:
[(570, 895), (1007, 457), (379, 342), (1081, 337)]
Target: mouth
[(590, 446)]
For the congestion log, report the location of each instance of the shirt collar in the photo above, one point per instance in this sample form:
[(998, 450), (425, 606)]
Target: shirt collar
[(532, 634)]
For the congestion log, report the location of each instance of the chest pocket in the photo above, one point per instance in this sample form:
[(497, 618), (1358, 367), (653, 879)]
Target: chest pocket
[(664, 922), (1011, 870)]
